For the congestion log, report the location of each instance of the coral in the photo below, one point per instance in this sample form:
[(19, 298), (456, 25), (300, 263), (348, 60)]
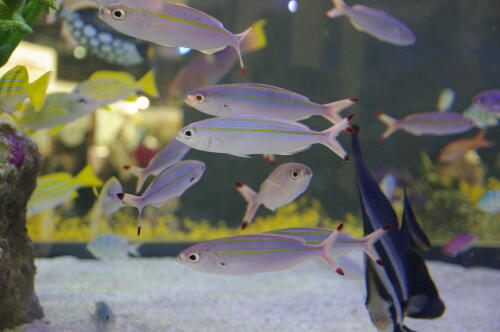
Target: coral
[(19, 164)]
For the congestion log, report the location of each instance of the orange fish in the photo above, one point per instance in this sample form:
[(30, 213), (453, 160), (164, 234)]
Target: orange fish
[(456, 150)]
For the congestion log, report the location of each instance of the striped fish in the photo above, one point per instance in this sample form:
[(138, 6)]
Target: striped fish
[(15, 88), (54, 189), (241, 136), (60, 108), (172, 153), (171, 183), (170, 24), (108, 86), (287, 182), (262, 100), (258, 253)]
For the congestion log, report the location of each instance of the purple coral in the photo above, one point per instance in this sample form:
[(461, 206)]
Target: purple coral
[(17, 151)]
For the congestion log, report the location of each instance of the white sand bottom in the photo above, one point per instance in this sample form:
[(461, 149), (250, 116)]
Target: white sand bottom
[(162, 295)]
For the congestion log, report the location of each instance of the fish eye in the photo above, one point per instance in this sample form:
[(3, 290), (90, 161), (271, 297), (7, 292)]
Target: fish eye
[(188, 133), (295, 174), (118, 14), (480, 100), (192, 179), (200, 98), (193, 257), (82, 100)]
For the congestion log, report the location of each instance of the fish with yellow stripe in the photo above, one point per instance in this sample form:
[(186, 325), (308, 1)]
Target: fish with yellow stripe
[(108, 86), (170, 24), (60, 108), (258, 253), (54, 189), (171, 183), (262, 100), (245, 135), (15, 88)]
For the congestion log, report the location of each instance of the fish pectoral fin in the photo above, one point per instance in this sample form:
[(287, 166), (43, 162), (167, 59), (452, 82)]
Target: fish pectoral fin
[(240, 155), (213, 50)]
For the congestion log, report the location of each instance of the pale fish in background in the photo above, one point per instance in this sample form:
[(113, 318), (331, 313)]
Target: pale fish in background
[(15, 88), (80, 28), (258, 253), (374, 22), (284, 184), (344, 244), (112, 247), (457, 149), (481, 118), (245, 135), (107, 86), (490, 202), (445, 100), (262, 100), (103, 317), (206, 70), (429, 123), (458, 245), (171, 24), (172, 182), (488, 101), (388, 185), (54, 189), (60, 108), (109, 203), (172, 153)]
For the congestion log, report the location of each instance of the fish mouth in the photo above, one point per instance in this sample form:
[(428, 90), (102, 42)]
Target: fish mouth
[(190, 100), (103, 12)]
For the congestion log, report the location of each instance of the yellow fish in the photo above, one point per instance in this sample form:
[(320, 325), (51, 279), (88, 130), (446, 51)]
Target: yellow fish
[(15, 88), (54, 189), (107, 86)]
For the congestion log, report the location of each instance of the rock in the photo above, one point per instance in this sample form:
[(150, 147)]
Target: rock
[(19, 165)]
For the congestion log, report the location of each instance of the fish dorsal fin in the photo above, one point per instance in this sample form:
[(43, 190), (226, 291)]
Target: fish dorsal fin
[(270, 88), (109, 74), (193, 11)]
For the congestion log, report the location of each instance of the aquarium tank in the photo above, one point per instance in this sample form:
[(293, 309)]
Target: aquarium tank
[(265, 165)]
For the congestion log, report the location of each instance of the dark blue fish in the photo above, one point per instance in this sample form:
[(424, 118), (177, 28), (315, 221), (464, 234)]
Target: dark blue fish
[(405, 286), (418, 239)]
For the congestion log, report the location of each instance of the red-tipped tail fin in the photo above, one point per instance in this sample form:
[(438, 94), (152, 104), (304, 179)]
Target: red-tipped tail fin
[(333, 109)]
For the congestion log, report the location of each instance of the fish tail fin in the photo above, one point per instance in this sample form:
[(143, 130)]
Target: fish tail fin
[(37, 90), (337, 10), (333, 109), (88, 178), (325, 249), (250, 196), (241, 37), (370, 240), (389, 121), (140, 173), (148, 84), (137, 202), (256, 39), (134, 249), (331, 137), (482, 141)]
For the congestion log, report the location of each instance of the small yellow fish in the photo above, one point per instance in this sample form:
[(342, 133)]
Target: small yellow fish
[(15, 88), (107, 86), (54, 189)]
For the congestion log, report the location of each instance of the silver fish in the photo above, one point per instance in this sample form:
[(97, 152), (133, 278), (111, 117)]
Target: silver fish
[(262, 100), (282, 186), (170, 24), (258, 253), (374, 22), (173, 152), (171, 183), (430, 123), (112, 247), (241, 136)]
